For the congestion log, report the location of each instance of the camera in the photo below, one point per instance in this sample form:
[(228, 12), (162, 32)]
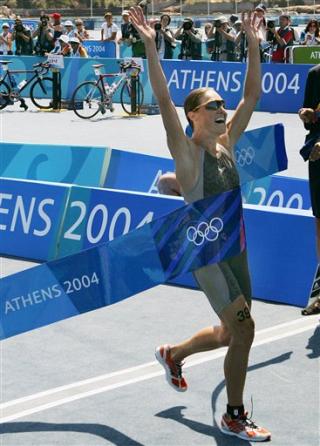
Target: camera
[(270, 24), (18, 27), (157, 26), (217, 23), (187, 26)]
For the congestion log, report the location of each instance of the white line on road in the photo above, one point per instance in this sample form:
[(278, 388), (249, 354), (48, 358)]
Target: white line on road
[(57, 396)]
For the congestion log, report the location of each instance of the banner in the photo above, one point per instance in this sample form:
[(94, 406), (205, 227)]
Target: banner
[(204, 232), (282, 84), (305, 54), (30, 218), (97, 48), (81, 165)]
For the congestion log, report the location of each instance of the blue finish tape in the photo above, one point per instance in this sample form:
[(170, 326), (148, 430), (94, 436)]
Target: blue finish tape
[(204, 232)]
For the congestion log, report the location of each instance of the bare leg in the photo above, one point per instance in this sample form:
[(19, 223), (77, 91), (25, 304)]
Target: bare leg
[(209, 338), (241, 327)]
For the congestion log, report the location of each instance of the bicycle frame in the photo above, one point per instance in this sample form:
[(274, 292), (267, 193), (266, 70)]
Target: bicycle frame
[(7, 77), (121, 75)]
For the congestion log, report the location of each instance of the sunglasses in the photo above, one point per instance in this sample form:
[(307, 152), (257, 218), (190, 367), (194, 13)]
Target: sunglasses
[(212, 105)]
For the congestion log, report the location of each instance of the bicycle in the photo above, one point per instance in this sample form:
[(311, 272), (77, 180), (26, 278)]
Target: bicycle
[(40, 90), (96, 96)]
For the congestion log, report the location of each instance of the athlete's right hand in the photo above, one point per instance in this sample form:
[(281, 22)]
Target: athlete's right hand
[(315, 152), (139, 22)]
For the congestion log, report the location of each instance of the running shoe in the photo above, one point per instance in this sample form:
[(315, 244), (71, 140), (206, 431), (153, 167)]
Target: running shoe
[(173, 370), (244, 428)]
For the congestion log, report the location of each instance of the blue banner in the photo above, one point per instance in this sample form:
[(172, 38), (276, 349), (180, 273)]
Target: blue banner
[(282, 84), (97, 48), (30, 218), (278, 191), (203, 232), (94, 216), (81, 165)]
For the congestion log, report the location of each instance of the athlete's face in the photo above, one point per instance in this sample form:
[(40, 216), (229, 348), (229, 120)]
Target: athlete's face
[(210, 113)]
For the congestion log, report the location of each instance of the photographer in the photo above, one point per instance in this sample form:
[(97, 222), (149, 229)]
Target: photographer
[(280, 38), (165, 42), (190, 41), (45, 42), (224, 41), (137, 45), (22, 36)]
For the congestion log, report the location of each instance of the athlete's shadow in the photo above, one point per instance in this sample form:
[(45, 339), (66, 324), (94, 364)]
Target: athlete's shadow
[(100, 430), (314, 344), (213, 431)]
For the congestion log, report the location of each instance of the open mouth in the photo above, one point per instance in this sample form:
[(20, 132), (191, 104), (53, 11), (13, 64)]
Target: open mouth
[(220, 120)]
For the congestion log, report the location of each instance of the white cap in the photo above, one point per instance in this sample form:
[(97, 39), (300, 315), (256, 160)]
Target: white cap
[(223, 19), (5, 25), (74, 40), (64, 38), (68, 23)]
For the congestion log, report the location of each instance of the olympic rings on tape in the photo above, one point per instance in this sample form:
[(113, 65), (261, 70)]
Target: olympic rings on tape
[(205, 231), (245, 156)]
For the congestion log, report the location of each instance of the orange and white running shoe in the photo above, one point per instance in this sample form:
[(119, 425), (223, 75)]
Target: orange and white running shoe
[(173, 370), (244, 428)]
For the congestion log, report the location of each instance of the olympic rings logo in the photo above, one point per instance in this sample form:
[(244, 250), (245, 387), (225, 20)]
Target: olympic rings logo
[(245, 156), (205, 231)]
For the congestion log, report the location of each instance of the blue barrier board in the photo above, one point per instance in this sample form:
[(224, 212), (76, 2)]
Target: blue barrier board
[(30, 216), (86, 166), (111, 272)]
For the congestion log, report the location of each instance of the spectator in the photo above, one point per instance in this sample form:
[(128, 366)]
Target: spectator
[(77, 50), (5, 40), (69, 29), (208, 37), (311, 35), (261, 11), (56, 26), (125, 26), (282, 38), (138, 48), (63, 48), (81, 33), (224, 41), (22, 37), (44, 34), (109, 29), (309, 114), (190, 41), (232, 20), (240, 43), (165, 41)]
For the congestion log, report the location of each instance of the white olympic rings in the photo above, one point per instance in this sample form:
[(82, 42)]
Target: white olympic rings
[(205, 231), (245, 156)]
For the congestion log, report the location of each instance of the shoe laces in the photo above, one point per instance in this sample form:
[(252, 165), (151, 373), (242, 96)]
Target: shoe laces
[(248, 421)]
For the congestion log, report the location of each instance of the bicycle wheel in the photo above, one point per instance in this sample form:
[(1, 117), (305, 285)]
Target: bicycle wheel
[(41, 93), (4, 94), (125, 96), (87, 100)]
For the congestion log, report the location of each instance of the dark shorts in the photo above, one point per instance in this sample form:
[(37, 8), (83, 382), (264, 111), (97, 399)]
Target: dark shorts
[(314, 182)]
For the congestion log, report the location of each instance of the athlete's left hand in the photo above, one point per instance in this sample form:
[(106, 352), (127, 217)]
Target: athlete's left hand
[(250, 25), (315, 152)]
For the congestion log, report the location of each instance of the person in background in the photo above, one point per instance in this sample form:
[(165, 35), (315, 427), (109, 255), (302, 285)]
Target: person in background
[(80, 32), (310, 116), (225, 36), (165, 41), (5, 40), (62, 46), (311, 34), (208, 37), (44, 34), (282, 38), (108, 29), (125, 26), (23, 39), (77, 50), (69, 29), (190, 40), (232, 20), (56, 26)]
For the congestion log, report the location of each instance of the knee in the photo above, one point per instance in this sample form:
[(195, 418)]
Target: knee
[(244, 332), (168, 184)]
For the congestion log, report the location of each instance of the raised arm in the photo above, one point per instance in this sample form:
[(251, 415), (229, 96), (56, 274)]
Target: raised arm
[(252, 86), (175, 134)]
